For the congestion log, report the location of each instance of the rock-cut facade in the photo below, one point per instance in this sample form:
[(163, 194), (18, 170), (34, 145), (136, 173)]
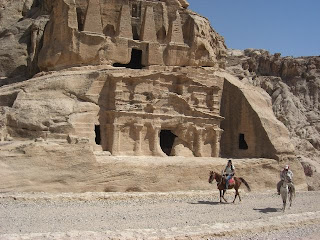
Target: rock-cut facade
[(141, 78)]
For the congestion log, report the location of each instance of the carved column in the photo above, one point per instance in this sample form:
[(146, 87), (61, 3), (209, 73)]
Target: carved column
[(148, 28), (218, 132), (93, 22), (124, 28), (175, 33), (104, 136), (198, 141), (156, 149), (107, 138), (138, 142), (115, 147)]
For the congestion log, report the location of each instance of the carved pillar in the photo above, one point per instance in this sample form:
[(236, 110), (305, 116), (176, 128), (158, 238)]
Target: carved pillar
[(175, 33), (115, 147), (138, 142), (105, 132), (218, 132), (124, 28), (148, 29), (198, 141), (93, 22), (156, 149)]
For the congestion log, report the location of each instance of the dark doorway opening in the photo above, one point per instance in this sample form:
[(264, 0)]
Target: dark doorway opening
[(135, 33), (166, 141), (80, 19), (242, 142), (135, 62), (98, 135)]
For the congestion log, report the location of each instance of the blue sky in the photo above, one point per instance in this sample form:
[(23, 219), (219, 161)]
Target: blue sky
[(291, 27)]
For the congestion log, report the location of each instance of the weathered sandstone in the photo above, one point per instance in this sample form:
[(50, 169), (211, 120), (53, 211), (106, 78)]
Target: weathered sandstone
[(293, 85), (157, 32), (54, 166), (128, 78)]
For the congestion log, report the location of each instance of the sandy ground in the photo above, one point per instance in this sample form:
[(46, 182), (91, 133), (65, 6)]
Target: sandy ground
[(171, 215)]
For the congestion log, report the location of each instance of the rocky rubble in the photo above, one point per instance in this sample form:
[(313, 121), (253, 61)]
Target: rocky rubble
[(294, 86)]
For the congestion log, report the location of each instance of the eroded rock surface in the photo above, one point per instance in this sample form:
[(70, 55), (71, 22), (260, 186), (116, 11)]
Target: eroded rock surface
[(61, 167), (22, 25), (133, 78), (294, 86)]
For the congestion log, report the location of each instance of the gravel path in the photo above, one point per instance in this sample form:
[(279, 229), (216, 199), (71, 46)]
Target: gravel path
[(153, 215)]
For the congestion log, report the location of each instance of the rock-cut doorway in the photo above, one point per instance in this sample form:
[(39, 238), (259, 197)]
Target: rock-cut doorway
[(98, 134), (166, 141), (135, 62)]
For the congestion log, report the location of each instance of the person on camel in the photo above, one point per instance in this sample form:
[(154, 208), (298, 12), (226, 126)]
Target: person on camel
[(229, 172)]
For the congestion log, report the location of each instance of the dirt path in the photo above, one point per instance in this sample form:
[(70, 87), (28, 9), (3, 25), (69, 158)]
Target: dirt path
[(153, 215)]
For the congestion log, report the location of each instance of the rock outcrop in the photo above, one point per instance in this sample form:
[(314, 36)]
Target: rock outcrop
[(250, 127), (127, 111), (133, 78), (22, 25), (294, 86), (156, 32), (53, 166)]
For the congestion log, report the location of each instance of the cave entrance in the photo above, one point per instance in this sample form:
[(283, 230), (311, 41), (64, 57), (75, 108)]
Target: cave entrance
[(242, 142), (166, 141), (135, 62), (98, 135)]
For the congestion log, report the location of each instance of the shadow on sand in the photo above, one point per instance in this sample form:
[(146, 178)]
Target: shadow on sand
[(266, 210), (209, 203)]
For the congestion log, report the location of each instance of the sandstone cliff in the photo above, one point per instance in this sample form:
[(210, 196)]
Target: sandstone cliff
[(294, 86), (180, 37), (135, 78), (21, 28)]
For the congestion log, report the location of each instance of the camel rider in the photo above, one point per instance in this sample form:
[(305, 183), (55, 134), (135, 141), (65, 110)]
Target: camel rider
[(287, 174), (229, 172)]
